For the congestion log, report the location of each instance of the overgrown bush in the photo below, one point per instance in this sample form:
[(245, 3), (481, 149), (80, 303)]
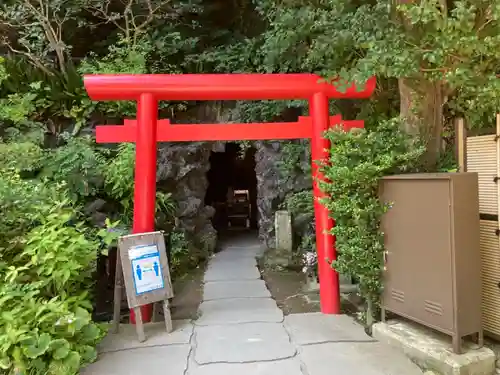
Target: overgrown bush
[(358, 160), (79, 164), (47, 256), (119, 185)]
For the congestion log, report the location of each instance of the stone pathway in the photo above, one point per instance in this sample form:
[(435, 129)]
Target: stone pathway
[(242, 331)]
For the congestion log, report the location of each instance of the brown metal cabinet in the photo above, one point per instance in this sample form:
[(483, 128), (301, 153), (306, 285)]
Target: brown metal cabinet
[(432, 260)]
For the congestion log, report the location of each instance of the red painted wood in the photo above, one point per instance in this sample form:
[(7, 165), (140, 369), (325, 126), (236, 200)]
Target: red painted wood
[(217, 86), (145, 177), (217, 132), (325, 245)]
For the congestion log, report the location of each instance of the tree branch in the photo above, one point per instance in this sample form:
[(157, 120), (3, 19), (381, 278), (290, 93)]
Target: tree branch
[(29, 55), (132, 22)]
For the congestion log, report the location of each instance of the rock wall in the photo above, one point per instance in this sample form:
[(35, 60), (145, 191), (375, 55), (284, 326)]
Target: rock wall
[(182, 169), (273, 187)]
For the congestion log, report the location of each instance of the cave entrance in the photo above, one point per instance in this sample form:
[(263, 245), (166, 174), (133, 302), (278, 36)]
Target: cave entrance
[(232, 188)]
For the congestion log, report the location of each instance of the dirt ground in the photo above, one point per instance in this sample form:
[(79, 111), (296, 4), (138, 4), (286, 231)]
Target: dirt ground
[(288, 288), (188, 294)]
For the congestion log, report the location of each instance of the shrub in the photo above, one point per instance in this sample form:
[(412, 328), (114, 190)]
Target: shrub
[(79, 164), (358, 160), (119, 185), (47, 257)]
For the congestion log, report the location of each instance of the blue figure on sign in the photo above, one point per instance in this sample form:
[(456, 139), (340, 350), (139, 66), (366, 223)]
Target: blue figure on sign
[(156, 268), (139, 272)]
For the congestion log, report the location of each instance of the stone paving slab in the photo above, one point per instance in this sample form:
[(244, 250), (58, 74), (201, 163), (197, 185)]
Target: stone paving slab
[(230, 251), (242, 247), (316, 328), (235, 289), (159, 360), (355, 358), (255, 252), (283, 367), (241, 240), (156, 335), (242, 343), (226, 263), (233, 255), (231, 272), (239, 310)]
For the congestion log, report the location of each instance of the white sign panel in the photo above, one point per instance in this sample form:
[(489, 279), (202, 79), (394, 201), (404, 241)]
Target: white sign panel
[(146, 268)]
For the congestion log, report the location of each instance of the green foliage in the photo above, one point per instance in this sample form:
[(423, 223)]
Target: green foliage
[(18, 111), (21, 156), (42, 28), (439, 53), (301, 203), (423, 41), (33, 104), (179, 249), (120, 174), (296, 158), (119, 184), (79, 164), (121, 58), (358, 160), (301, 207), (47, 256)]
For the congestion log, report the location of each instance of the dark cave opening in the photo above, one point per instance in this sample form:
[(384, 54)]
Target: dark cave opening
[(232, 188)]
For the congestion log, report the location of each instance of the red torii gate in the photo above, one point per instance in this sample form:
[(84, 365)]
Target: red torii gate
[(147, 130)]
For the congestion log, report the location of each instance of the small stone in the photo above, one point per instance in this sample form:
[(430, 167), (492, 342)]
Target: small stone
[(497, 371), (474, 346)]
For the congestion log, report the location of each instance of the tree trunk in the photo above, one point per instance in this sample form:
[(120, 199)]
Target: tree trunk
[(421, 108)]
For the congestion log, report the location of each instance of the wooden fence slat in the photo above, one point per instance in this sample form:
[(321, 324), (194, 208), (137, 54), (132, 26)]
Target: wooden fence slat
[(460, 142)]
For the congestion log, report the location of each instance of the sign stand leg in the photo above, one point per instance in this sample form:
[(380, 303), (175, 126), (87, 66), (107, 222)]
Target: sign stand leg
[(118, 293), (155, 311), (139, 326), (168, 317)]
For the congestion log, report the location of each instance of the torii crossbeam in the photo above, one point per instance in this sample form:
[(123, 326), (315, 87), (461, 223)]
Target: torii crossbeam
[(147, 130), (166, 132)]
